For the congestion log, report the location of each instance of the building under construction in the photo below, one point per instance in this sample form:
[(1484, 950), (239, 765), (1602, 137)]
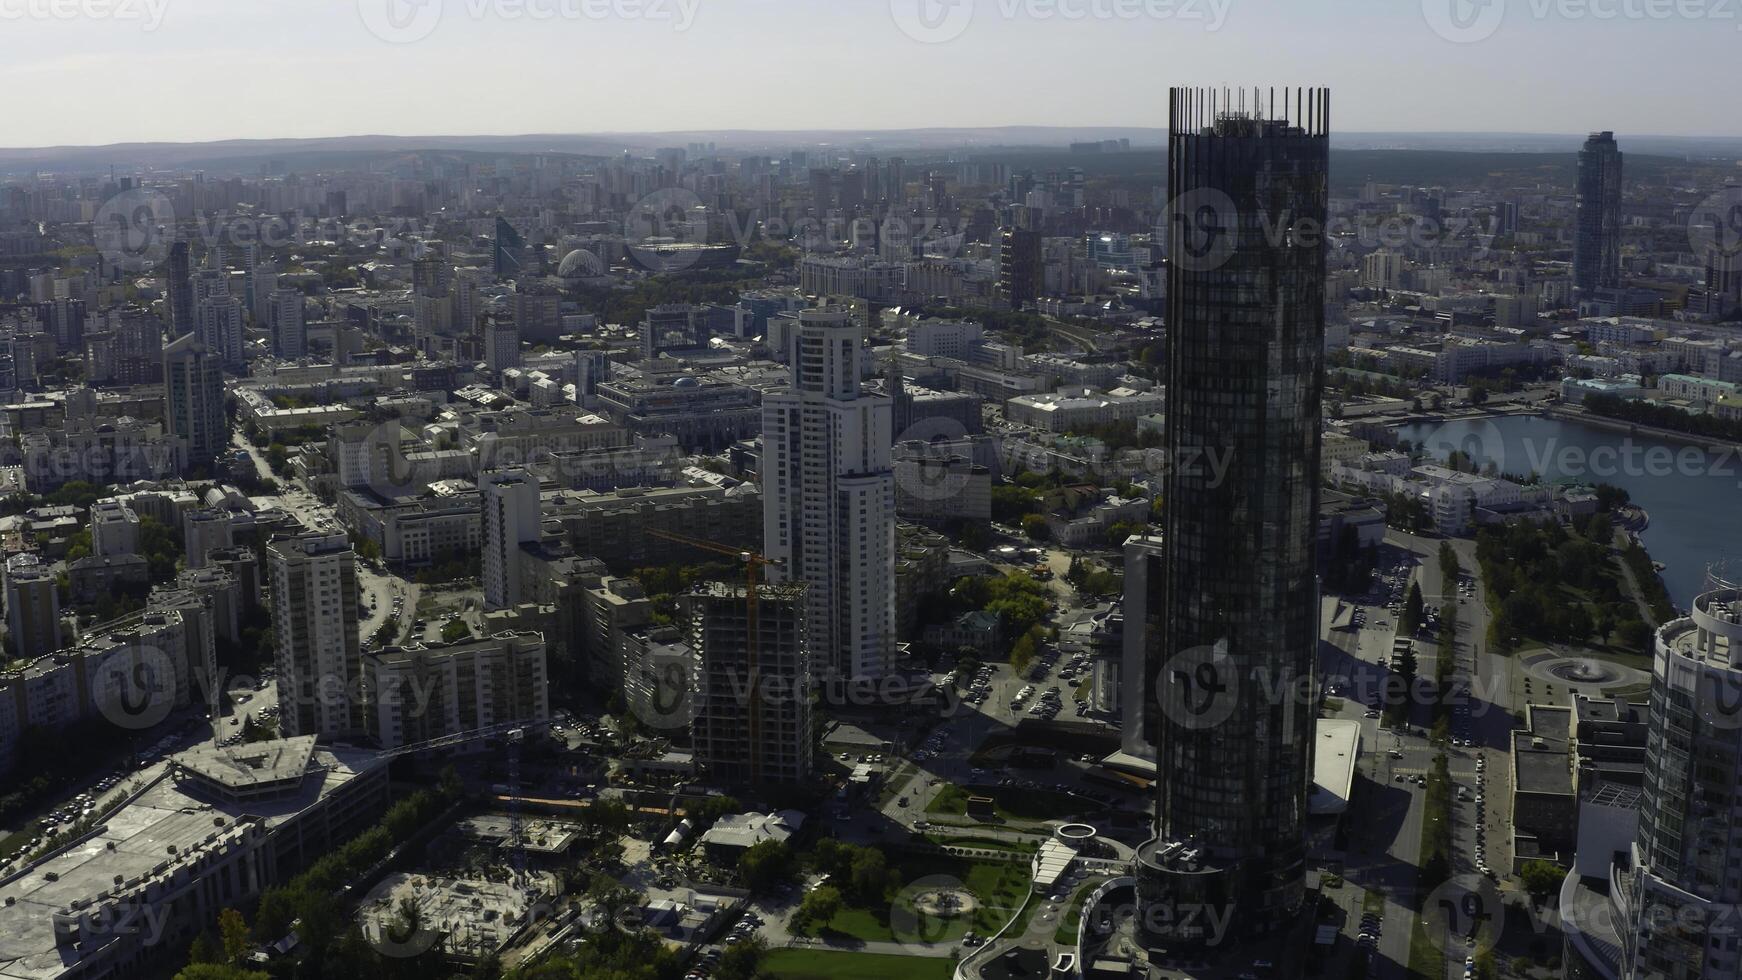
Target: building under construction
[(752, 684)]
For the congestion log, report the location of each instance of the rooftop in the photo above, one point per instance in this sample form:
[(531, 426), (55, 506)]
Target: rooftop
[(749, 829), (165, 823), (1338, 746)]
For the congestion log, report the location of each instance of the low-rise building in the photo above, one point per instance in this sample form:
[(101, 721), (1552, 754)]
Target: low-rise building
[(1544, 800), (1080, 409), (936, 490), (212, 832)]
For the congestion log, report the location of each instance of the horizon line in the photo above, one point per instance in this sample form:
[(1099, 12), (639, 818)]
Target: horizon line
[(736, 132)]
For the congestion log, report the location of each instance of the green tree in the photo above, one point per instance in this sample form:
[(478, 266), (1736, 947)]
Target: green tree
[(233, 930), (204, 950), (1409, 620), (1541, 879), (819, 907), (765, 866), (219, 971), (869, 876), (742, 960), (1034, 525)]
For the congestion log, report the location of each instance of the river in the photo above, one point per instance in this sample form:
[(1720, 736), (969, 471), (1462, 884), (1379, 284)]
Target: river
[(1694, 497)]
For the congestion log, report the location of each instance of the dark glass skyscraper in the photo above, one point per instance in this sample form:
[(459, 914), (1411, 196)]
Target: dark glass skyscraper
[(1597, 235), (178, 292), (1238, 631), (509, 258)]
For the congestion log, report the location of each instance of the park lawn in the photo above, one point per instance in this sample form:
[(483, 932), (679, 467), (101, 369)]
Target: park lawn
[(12, 843), (819, 964), (1009, 804), (998, 886), (1426, 961)]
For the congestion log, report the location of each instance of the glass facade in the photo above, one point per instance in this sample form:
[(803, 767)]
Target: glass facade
[(1239, 633), (1688, 874), (1597, 237)]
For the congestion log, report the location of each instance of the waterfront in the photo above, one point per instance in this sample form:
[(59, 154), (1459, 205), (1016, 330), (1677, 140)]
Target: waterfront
[(1694, 497)]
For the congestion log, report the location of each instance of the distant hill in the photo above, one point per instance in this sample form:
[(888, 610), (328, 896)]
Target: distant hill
[(1425, 154)]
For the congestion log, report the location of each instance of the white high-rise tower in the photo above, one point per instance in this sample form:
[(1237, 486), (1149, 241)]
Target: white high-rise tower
[(511, 518), (829, 497)]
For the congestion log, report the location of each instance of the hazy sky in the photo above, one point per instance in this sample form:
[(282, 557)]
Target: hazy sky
[(103, 71)]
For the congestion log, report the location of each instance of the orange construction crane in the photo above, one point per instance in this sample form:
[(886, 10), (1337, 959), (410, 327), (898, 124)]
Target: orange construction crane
[(753, 564)]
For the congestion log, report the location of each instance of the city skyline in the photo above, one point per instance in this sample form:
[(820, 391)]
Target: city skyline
[(936, 489)]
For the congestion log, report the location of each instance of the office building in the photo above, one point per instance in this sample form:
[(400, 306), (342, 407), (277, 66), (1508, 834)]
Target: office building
[(501, 346), (422, 693), (940, 488), (219, 326), (829, 496), (114, 528), (32, 607), (509, 255), (753, 723), (511, 518), (178, 289), (289, 329), (1020, 270), (1240, 595), (538, 315), (1143, 599), (1597, 228), (194, 398), (614, 526), (1723, 294), (1685, 882), (205, 531), (314, 624)]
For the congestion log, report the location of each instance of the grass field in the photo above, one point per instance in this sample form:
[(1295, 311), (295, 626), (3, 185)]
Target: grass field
[(1009, 804), (998, 886), (12, 843), (814, 964)]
